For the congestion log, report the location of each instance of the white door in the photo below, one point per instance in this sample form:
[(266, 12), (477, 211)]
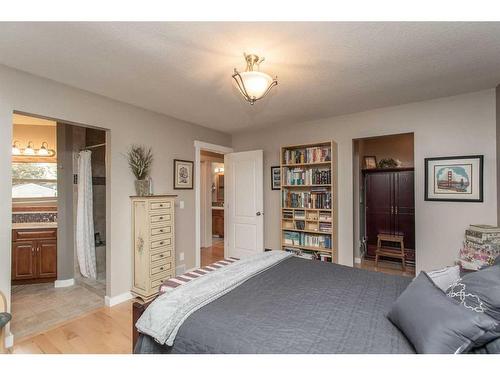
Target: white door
[(244, 203)]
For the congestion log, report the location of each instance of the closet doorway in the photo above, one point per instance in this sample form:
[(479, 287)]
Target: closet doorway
[(384, 204)]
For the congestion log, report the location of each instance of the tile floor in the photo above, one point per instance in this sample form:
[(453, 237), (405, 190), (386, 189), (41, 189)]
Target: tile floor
[(38, 307)]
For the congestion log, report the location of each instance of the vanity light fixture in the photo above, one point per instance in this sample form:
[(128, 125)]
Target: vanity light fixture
[(252, 83), (15, 148), (43, 151), (29, 151)]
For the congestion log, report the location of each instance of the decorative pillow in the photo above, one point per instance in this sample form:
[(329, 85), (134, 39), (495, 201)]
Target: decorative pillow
[(444, 277), (497, 261), (434, 323), (479, 291)]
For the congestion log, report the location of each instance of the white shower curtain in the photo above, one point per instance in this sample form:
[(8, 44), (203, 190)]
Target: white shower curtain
[(85, 242)]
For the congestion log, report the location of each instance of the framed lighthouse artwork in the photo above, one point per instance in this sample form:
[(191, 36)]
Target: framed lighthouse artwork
[(454, 179)]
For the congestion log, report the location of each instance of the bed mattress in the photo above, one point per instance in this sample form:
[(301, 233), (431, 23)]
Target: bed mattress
[(297, 306)]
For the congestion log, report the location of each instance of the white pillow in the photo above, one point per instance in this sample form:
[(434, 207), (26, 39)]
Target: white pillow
[(443, 278)]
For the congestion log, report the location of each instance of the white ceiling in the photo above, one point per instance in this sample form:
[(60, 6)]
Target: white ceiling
[(324, 69)]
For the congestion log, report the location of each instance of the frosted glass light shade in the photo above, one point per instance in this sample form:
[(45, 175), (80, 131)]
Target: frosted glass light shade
[(256, 83)]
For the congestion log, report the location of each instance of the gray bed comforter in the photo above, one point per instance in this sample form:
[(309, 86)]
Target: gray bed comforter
[(297, 306)]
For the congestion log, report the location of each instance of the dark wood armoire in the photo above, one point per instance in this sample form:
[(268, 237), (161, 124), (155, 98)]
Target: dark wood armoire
[(389, 198)]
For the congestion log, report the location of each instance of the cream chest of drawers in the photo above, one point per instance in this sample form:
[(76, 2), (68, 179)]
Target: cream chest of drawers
[(153, 243)]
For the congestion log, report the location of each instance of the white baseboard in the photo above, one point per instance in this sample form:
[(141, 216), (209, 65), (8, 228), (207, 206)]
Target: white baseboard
[(64, 283), (9, 340), (112, 301), (357, 260)]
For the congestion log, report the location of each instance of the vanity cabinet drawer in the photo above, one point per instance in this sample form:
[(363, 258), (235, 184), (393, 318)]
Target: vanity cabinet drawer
[(163, 255), (161, 268), (160, 205), (28, 234)]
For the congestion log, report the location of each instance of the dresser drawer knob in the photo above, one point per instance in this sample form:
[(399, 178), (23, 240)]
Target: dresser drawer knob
[(161, 217), (161, 268), (161, 255), (161, 230), (161, 205), (161, 243)]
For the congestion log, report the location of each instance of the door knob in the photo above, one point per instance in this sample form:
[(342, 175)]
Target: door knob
[(259, 213)]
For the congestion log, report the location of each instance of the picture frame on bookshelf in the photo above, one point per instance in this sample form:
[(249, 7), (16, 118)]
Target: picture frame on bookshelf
[(276, 178), (454, 178), (370, 162)]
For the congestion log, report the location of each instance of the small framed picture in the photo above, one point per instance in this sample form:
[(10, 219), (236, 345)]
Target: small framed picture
[(454, 179), (276, 178), (370, 162), (183, 174)]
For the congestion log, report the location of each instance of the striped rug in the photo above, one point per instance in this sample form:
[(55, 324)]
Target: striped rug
[(176, 281)]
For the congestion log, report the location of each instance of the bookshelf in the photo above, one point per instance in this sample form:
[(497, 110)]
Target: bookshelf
[(309, 200)]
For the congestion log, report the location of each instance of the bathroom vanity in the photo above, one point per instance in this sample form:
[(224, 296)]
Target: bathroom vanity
[(34, 253)]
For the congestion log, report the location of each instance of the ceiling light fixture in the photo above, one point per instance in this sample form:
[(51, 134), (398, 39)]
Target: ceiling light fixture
[(252, 83)]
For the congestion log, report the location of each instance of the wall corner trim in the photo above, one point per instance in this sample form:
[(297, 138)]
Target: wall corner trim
[(9, 340), (112, 301), (64, 283)]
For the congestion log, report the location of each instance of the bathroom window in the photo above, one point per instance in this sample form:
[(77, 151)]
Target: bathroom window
[(34, 180)]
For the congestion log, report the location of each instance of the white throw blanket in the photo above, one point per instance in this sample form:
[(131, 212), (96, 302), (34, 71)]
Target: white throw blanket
[(163, 318)]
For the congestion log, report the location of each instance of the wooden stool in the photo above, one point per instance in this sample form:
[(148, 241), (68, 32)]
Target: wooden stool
[(390, 253)]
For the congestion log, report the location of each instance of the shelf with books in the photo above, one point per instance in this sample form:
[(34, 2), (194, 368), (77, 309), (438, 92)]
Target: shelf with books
[(309, 198)]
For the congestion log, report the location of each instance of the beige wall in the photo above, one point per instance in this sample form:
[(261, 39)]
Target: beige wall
[(168, 137), (457, 125), (399, 146)]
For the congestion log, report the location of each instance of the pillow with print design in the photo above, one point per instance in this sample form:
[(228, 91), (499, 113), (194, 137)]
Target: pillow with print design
[(479, 291)]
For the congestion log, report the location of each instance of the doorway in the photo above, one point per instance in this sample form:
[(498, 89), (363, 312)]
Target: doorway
[(47, 285), (209, 202), (212, 207), (384, 203)]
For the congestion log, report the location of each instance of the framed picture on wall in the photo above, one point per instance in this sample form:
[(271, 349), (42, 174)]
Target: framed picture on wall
[(370, 162), (454, 179), (276, 178), (183, 174)]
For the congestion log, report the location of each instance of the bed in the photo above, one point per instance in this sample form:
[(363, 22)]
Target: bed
[(295, 306)]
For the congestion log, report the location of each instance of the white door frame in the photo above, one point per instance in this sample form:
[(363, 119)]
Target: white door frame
[(198, 146)]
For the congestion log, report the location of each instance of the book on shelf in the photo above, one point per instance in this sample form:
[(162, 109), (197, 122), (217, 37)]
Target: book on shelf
[(304, 177), (325, 216), (318, 198), (308, 155), (321, 241), (300, 225), (325, 227)]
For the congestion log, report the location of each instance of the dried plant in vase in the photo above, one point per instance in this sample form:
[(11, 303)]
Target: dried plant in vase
[(139, 160)]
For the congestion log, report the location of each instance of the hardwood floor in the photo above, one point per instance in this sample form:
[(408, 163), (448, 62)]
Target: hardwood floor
[(213, 253), (390, 268), (103, 331)]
